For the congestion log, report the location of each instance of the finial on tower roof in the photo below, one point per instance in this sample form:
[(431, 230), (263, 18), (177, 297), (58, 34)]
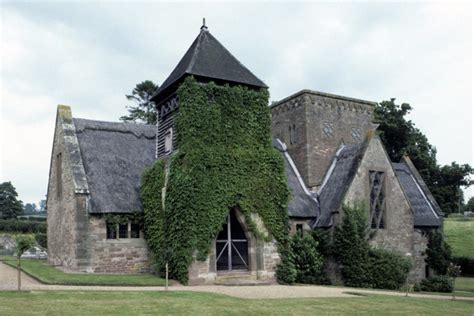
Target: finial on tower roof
[(203, 27)]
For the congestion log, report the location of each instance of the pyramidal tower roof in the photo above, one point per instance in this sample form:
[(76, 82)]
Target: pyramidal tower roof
[(208, 59)]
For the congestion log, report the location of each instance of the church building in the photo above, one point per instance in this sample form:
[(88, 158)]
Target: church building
[(332, 157)]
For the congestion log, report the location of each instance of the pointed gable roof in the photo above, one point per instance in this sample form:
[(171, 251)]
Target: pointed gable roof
[(338, 179), (427, 212), (209, 59)]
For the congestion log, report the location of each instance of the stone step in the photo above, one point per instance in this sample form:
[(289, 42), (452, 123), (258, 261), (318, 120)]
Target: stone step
[(238, 278)]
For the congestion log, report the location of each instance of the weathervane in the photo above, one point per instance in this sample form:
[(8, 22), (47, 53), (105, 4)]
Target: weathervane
[(204, 27)]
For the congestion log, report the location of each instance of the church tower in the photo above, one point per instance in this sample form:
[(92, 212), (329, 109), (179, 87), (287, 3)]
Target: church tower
[(207, 60)]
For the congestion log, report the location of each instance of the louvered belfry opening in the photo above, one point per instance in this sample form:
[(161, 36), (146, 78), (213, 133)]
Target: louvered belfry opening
[(377, 199), (232, 246)]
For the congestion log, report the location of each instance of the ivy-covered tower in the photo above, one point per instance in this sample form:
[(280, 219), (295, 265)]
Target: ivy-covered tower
[(206, 60), (216, 199)]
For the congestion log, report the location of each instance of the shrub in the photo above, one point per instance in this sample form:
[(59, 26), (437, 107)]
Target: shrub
[(23, 226), (467, 265), (41, 239), (438, 253), (352, 247), (286, 270), (307, 260), (439, 283), (388, 270)]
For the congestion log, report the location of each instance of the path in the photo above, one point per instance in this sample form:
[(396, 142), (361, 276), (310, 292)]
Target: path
[(8, 277)]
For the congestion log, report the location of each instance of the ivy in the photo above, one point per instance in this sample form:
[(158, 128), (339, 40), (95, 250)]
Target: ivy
[(226, 159), (115, 219)]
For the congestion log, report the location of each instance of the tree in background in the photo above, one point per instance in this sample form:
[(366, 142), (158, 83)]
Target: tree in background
[(469, 207), (23, 243), (10, 206), (401, 137), (30, 208), (144, 109)]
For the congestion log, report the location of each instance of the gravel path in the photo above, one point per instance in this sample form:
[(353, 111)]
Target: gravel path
[(8, 277)]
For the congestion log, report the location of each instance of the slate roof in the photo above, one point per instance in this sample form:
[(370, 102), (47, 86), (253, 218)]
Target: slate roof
[(114, 156), (302, 204), (337, 181), (207, 58), (426, 213)]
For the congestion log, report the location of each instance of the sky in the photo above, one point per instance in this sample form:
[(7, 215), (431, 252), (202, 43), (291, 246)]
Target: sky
[(89, 55)]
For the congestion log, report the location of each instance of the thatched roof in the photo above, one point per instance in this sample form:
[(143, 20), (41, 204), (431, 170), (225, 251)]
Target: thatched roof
[(114, 156)]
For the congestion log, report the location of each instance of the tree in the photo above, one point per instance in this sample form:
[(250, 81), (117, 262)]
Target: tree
[(401, 137), (144, 110), (10, 206), (23, 243), (469, 205), (30, 208)]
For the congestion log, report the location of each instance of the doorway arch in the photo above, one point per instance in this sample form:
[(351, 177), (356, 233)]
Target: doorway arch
[(232, 245)]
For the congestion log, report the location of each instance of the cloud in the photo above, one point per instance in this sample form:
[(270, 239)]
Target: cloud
[(89, 55)]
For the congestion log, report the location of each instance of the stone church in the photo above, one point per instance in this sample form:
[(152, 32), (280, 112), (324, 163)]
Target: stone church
[(332, 152)]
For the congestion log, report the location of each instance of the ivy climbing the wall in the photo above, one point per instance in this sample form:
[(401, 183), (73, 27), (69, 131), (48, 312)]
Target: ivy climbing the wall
[(225, 159)]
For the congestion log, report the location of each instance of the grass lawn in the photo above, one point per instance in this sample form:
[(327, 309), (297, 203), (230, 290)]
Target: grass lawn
[(43, 272), (194, 303), (459, 233)]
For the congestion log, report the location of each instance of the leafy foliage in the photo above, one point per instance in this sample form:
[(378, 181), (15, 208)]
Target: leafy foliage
[(22, 226), (225, 160), (469, 206), (401, 137), (438, 253), (388, 270), (153, 181), (144, 111), (466, 264), (308, 261), (352, 246), (361, 265), (10, 206), (440, 283), (23, 243), (286, 272)]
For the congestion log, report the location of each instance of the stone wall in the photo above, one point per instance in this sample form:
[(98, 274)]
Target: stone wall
[(62, 211), (323, 122), (420, 243), (128, 255), (263, 259), (398, 232)]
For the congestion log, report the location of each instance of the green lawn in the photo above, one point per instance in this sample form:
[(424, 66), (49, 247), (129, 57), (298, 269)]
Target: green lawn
[(194, 303), (43, 272), (459, 233)]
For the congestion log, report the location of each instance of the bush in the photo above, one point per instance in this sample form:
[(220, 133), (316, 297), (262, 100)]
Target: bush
[(439, 283), (286, 270), (307, 260), (438, 253), (388, 270), (23, 226), (41, 239), (352, 247), (467, 265)]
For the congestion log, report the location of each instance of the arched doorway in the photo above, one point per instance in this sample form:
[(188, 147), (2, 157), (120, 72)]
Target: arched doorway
[(232, 246)]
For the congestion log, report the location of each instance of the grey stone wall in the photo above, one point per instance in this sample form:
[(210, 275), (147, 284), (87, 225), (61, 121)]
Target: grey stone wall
[(398, 232), (128, 255), (420, 243), (323, 122), (62, 211), (263, 258)]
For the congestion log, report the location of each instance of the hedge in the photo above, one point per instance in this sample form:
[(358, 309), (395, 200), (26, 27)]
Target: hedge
[(23, 226), (441, 283), (467, 265)]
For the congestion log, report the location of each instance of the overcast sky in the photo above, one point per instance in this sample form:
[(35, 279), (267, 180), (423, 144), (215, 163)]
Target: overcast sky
[(89, 55)]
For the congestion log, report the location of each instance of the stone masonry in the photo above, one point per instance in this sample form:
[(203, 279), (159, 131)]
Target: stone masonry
[(323, 121)]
